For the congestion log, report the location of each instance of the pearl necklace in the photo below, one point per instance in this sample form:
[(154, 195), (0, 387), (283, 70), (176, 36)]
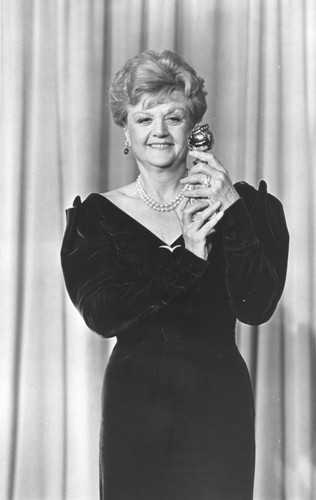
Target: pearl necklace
[(155, 205)]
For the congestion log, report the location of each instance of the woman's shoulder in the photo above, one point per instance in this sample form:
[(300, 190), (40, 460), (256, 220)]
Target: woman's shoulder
[(97, 211), (96, 202), (122, 197), (266, 211), (254, 197)]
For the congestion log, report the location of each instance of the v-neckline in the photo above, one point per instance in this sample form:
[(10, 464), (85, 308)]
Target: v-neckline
[(144, 228)]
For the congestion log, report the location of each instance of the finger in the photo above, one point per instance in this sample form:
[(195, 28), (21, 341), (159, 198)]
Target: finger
[(198, 205), (208, 211), (209, 158), (200, 155), (199, 192), (198, 178), (205, 169), (192, 208), (181, 207), (208, 227), (201, 217), (183, 203), (204, 156)]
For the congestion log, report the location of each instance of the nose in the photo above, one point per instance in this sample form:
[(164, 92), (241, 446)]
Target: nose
[(159, 128)]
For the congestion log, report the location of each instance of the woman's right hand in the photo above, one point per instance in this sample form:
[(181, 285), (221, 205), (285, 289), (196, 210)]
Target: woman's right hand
[(198, 221)]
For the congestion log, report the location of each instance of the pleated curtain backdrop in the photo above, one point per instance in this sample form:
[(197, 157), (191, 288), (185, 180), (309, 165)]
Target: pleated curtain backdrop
[(258, 58)]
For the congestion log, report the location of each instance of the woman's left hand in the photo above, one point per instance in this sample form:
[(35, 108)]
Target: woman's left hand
[(211, 179)]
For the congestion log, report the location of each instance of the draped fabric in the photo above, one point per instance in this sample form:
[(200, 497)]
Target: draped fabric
[(258, 58)]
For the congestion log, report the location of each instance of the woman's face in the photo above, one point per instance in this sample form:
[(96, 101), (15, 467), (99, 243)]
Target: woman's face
[(158, 132)]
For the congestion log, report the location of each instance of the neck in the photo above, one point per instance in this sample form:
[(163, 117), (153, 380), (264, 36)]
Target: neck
[(162, 185)]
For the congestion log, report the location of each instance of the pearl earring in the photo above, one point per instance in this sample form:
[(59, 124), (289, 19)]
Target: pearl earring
[(126, 149)]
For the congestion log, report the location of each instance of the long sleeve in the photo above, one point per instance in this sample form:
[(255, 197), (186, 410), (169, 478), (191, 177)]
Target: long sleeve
[(255, 242), (111, 294)]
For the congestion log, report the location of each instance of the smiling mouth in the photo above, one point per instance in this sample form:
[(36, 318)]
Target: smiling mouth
[(164, 145)]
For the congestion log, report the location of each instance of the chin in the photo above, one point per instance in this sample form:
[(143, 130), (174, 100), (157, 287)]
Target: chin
[(162, 162), (165, 161)]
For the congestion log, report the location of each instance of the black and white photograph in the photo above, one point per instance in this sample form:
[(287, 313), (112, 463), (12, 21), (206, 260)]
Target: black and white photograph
[(157, 256)]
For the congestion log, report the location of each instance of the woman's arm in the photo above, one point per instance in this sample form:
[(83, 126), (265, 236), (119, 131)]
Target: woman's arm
[(110, 294), (255, 238), (255, 243)]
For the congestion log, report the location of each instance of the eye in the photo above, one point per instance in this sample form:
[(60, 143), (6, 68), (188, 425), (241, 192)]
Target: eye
[(175, 119), (144, 120)]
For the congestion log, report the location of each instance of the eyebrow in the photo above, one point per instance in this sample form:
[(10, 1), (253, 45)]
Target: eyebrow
[(148, 111)]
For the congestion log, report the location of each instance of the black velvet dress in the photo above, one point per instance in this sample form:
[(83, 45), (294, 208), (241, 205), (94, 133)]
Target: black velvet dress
[(177, 406)]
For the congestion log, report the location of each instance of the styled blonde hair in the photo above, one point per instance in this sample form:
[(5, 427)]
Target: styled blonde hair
[(159, 74)]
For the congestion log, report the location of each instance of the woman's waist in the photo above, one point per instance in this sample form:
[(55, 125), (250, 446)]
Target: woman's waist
[(172, 330)]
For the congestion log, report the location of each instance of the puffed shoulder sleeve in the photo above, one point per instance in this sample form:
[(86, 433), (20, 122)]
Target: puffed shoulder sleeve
[(110, 293), (255, 242)]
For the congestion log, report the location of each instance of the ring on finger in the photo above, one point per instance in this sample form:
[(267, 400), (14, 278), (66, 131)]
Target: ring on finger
[(207, 181)]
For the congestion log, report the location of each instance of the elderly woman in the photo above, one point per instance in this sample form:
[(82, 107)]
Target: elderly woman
[(169, 277)]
